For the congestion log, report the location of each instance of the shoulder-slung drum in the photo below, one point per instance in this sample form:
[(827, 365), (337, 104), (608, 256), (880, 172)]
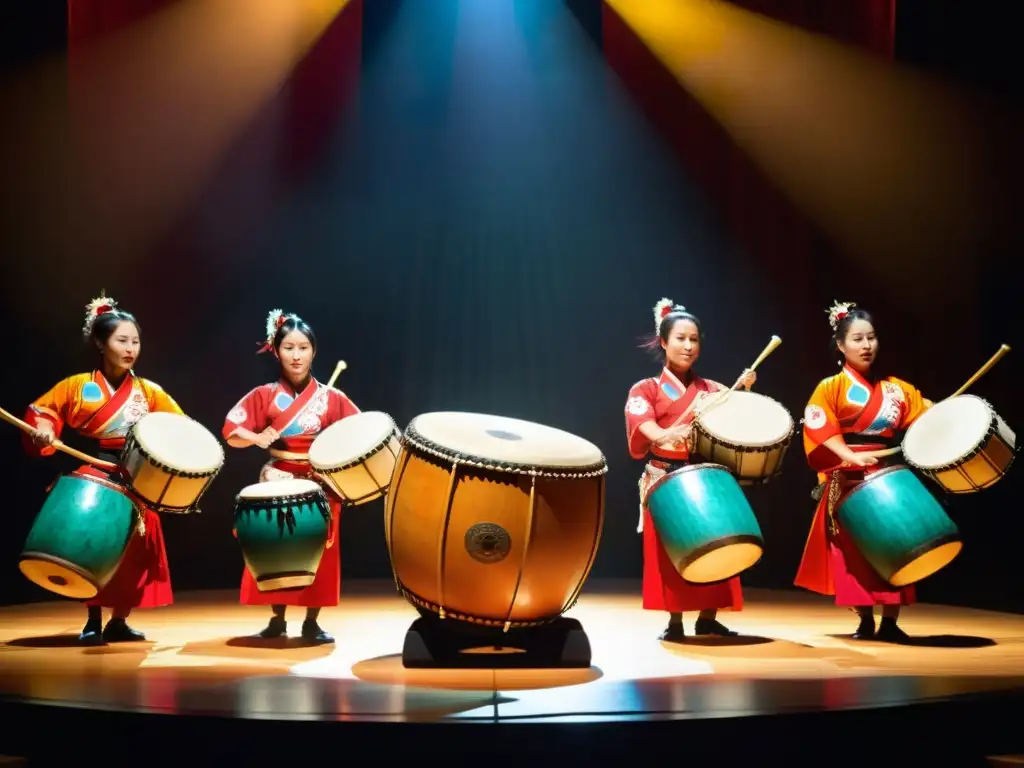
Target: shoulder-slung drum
[(355, 457), (169, 461), (494, 521)]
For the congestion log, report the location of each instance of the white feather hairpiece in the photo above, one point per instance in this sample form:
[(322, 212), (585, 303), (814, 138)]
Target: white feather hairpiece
[(838, 311), (98, 306), (274, 320), (662, 308)]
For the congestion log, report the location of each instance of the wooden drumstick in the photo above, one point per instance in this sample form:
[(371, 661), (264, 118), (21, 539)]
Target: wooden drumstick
[(341, 366), (27, 428), (760, 358), (983, 370)]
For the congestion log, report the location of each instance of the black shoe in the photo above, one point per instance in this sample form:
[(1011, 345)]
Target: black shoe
[(673, 633), (312, 633), (712, 627), (866, 629), (118, 631), (277, 627), (92, 633), (890, 632)]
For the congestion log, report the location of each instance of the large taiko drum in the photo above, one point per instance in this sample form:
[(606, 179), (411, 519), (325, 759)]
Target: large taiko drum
[(80, 536), (746, 432), (960, 443), (705, 523), (355, 457), (170, 460), (898, 526), (493, 521)]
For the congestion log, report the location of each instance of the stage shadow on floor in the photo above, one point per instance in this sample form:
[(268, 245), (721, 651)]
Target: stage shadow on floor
[(389, 670), (292, 650), (928, 641), (69, 640), (716, 641)]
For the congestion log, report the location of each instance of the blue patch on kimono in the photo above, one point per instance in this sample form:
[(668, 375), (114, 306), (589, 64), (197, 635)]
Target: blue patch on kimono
[(858, 394), (91, 392), (669, 390), (282, 400), (292, 429)]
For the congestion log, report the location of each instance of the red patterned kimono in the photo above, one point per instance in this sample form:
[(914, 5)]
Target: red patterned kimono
[(298, 419), (666, 401), (89, 405), (868, 415)]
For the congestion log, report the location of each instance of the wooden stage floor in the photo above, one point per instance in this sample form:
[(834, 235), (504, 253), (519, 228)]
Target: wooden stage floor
[(794, 655)]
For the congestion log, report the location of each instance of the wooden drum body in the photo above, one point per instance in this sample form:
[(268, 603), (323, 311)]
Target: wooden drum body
[(283, 527), (745, 432), (356, 457), (493, 521), (169, 461), (960, 443), (79, 537), (899, 527), (705, 523)]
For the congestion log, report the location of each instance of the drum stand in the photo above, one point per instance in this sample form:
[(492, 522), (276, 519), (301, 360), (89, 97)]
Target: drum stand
[(434, 643)]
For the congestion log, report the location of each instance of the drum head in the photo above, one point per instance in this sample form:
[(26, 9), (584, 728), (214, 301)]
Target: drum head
[(502, 440), (947, 431), (279, 489), (747, 418), (179, 442), (348, 439)]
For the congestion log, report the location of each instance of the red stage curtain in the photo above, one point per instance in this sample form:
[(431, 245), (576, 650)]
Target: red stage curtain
[(754, 211)]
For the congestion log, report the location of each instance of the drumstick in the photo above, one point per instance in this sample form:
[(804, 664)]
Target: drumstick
[(983, 370), (341, 366), (760, 358), (57, 443)]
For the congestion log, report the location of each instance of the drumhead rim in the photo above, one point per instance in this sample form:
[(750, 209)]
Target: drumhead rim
[(385, 438), (747, 447), (992, 429), (413, 439), (311, 486), (436, 609), (396, 433), (706, 465), (774, 443), (135, 439)]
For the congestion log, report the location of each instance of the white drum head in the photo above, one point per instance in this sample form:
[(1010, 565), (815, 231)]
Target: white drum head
[(278, 489), (947, 431), (504, 440), (747, 418), (179, 442), (348, 439)]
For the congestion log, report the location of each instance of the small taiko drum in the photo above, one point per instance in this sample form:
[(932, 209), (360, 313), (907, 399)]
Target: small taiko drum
[(80, 536), (745, 432), (493, 521), (169, 461), (282, 527), (960, 443), (355, 457)]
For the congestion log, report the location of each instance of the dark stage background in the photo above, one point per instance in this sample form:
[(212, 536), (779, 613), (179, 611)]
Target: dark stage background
[(476, 205)]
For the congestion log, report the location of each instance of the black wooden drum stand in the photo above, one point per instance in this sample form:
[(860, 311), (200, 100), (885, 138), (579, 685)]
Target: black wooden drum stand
[(434, 643)]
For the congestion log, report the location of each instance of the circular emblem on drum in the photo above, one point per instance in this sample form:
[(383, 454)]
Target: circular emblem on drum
[(488, 543), (502, 434)]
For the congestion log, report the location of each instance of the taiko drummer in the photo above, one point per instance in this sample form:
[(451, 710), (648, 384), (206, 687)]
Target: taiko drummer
[(659, 416), (103, 406), (285, 417), (849, 417)]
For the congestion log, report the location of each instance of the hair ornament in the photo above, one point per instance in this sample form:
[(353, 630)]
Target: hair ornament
[(275, 319), (98, 306), (663, 309), (837, 312)]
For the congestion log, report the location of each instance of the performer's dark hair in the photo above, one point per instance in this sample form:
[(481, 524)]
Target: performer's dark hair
[(294, 324), (104, 325), (668, 322), (843, 328)]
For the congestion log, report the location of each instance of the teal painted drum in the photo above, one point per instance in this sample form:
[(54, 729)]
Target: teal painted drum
[(898, 526), (705, 523), (283, 527), (79, 536)]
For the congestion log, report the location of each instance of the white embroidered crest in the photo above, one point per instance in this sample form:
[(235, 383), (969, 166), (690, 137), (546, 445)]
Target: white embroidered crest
[(238, 415), (310, 422), (136, 408), (814, 417), (637, 406)]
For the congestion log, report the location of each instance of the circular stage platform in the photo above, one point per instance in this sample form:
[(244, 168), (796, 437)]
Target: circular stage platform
[(792, 684)]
